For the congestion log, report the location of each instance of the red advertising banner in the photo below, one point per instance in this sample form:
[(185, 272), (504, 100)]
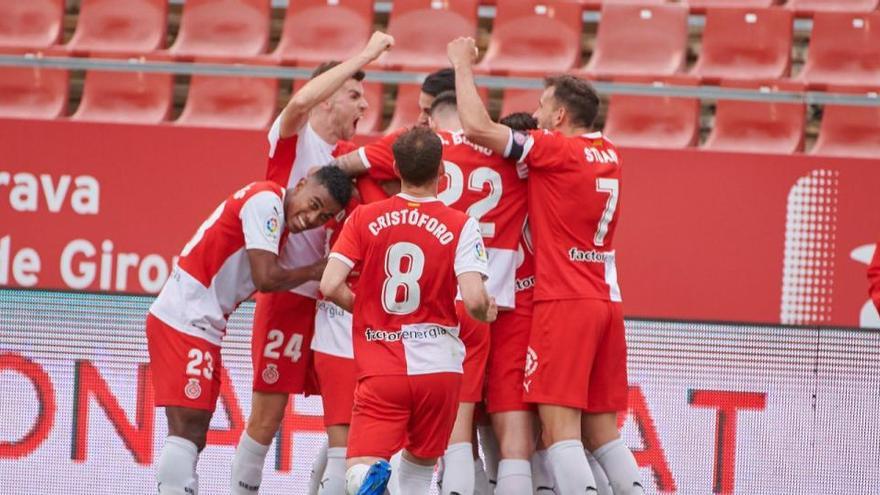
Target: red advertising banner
[(703, 235)]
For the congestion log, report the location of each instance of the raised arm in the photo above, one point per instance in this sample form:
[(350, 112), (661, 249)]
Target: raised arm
[(475, 120), (320, 88), (333, 284), (269, 276)]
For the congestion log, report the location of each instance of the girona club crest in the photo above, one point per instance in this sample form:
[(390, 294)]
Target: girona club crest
[(270, 374), (193, 390), (531, 361)]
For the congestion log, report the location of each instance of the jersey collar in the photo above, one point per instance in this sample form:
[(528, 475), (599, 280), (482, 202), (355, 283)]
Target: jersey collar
[(415, 199)]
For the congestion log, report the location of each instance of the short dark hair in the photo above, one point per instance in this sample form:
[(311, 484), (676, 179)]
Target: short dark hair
[(577, 96), (417, 153), (438, 82), (358, 76), (337, 182), (520, 121), (444, 99)]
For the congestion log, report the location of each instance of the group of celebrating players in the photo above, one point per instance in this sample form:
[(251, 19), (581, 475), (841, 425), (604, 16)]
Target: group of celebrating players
[(420, 317)]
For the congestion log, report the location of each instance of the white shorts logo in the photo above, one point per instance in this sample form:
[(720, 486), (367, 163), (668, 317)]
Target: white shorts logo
[(270, 374), (531, 361), (193, 390)]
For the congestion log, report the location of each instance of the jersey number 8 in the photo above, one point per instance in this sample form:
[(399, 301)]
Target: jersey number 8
[(398, 277)]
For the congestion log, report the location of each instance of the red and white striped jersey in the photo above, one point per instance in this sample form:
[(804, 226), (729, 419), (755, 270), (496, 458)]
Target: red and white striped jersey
[(213, 274), (411, 251), (574, 207), (482, 184), (290, 160)]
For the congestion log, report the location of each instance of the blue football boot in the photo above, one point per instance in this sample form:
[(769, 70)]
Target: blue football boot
[(377, 479)]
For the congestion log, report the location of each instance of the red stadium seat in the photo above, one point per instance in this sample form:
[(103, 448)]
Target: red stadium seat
[(849, 131), (520, 100), (534, 36), (767, 55), (223, 28), (813, 6), (759, 126), (316, 31), (30, 24), (126, 97), (423, 28), (33, 92), (234, 102), (653, 121), (702, 5), (406, 105), (634, 39), (596, 4), (120, 26), (844, 50)]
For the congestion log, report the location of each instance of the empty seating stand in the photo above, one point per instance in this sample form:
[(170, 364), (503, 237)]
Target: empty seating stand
[(125, 97), (654, 121), (30, 25), (222, 28), (640, 40), (120, 26), (423, 28), (852, 131), (759, 126), (520, 100), (230, 101), (812, 6), (33, 92), (844, 50), (534, 36), (702, 5), (766, 55), (316, 31)]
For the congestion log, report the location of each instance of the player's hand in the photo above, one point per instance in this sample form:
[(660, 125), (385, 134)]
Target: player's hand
[(492, 312), (462, 51), (317, 269), (379, 43)]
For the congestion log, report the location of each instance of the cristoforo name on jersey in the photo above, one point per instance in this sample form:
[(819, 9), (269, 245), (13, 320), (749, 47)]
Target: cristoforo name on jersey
[(591, 256), (27, 189), (412, 217), (408, 334)]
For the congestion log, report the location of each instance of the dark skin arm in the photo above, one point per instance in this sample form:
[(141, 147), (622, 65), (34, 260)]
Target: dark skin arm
[(269, 276)]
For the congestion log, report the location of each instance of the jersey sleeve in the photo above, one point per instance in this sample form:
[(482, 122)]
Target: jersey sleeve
[(470, 253), (378, 158), (262, 222), (537, 148), (348, 247), (874, 277), (282, 152)]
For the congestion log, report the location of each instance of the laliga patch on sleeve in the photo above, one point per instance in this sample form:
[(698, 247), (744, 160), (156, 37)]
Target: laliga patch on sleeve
[(480, 251), (273, 227)]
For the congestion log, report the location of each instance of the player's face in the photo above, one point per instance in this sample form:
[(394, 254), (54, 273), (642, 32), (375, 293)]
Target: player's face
[(311, 206), (547, 113), (348, 106), (425, 101)]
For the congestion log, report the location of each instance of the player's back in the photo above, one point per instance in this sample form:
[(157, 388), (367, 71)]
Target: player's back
[(574, 188), (213, 275), (404, 315), (487, 187)]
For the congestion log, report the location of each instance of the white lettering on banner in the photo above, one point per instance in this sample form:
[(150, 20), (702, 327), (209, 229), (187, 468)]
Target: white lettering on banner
[(78, 271), (25, 264), (25, 193)]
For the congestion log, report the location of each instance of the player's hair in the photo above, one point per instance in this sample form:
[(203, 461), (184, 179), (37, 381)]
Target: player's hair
[(577, 96), (438, 82), (417, 153), (443, 101), (358, 76), (520, 121), (337, 182)]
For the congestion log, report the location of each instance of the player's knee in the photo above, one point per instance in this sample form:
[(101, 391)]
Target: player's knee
[(191, 425), (263, 424)]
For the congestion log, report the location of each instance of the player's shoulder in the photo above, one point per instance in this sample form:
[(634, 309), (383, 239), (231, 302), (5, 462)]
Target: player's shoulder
[(249, 191)]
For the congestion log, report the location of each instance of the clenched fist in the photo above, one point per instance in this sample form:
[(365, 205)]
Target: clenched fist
[(462, 51), (379, 43)]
